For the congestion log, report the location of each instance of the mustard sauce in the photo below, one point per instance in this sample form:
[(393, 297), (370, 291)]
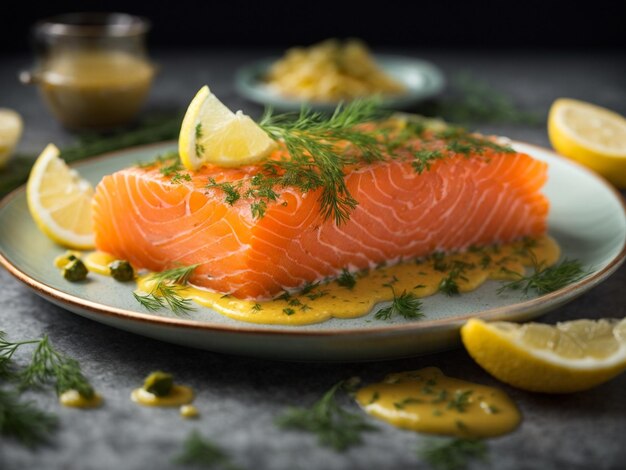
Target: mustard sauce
[(189, 411), (98, 262), (179, 395), (470, 270), (427, 401), (74, 399)]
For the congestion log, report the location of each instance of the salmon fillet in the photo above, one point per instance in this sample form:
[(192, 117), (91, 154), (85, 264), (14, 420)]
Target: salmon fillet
[(144, 217)]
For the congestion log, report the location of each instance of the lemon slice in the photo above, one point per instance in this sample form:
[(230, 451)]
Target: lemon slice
[(591, 135), (568, 357), (10, 133), (212, 133), (60, 201)]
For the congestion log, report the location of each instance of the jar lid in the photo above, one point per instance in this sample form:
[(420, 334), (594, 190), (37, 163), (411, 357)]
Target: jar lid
[(93, 25)]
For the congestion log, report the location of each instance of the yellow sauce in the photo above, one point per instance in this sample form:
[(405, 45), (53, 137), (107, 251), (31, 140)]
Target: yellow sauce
[(422, 278), (98, 262), (428, 401), (180, 395), (74, 399), (189, 411), (95, 88)]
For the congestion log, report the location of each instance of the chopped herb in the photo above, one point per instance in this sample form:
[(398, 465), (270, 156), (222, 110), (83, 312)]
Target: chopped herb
[(257, 307), (449, 286), (439, 261), (375, 397), (460, 401), (346, 279), (23, 421), (405, 304), (428, 386), (452, 454), (442, 397), (199, 133), (289, 311), (400, 405), (545, 280), (424, 158), (197, 450), (230, 190), (334, 426)]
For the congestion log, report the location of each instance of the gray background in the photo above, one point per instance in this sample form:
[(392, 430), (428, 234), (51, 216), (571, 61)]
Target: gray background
[(239, 397)]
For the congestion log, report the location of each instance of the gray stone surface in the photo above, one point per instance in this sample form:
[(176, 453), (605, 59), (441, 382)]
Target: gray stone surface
[(239, 397)]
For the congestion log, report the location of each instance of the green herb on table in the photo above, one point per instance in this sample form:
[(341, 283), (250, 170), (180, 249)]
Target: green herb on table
[(406, 305), (334, 426), (23, 421), (166, 291), (545, 280), (199, 451), (452, 454)]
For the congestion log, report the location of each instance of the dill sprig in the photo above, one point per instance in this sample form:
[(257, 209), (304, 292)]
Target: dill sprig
[(197, 450), (166, 291), (406, 304), (346, 279), (320, 148), (452, 454), (23, 421), (545, 280), (335, 426), (51, 366)]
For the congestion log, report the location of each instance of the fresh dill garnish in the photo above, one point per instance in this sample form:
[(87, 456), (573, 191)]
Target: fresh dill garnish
[(289, 311), (166, 290), (230, 190), (346, 279), (257, 307), (199, 132), (460, 401), (452, 454), (545, 280), (199, 451), (400, 405), (406, 304), (449, 285), (374, 399), (335, 426), (23, 421), (178, 178), (439, 263), (51, 366), (424, 158)]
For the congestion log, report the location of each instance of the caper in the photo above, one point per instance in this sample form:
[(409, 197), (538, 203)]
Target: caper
[(75, 271), (121, 271), (159, 383)]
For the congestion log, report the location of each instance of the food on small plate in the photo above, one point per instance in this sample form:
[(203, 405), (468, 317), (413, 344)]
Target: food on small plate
[(563, 358), (331, 71), (342, 193), (591, 135)]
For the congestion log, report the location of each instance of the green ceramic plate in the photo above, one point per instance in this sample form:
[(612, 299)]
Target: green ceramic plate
[(587, 217), (422, 80)]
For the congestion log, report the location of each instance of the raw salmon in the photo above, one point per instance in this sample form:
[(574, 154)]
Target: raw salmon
[(143, 216)]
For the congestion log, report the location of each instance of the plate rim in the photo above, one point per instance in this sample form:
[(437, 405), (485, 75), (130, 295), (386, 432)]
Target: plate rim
[(246, 86), (565, 293)]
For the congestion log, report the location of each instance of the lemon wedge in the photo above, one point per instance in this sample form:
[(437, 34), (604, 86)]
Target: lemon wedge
[(212, 133), (10, 132), (591, 135), (60, 201), (562, 358)]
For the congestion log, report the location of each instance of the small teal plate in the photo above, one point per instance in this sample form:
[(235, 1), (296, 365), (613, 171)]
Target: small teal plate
[(587, 217), (422, 80)]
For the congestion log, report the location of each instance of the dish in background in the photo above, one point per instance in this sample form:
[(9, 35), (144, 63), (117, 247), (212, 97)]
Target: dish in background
[(92, 69), (588, 218), (420, 79)]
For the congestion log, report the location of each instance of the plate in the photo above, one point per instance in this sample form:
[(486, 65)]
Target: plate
[(422, 80), (587, 217)]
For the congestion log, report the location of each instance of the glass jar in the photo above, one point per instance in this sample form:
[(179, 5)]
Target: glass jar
[(91, 68)]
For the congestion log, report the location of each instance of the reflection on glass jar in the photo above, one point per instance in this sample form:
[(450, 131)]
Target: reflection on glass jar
[(92, 68)]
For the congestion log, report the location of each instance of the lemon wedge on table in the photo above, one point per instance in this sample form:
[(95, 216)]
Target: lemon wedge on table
[(60, 201), (10, 132), (562, 358), (591, 135), (212, 133)]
